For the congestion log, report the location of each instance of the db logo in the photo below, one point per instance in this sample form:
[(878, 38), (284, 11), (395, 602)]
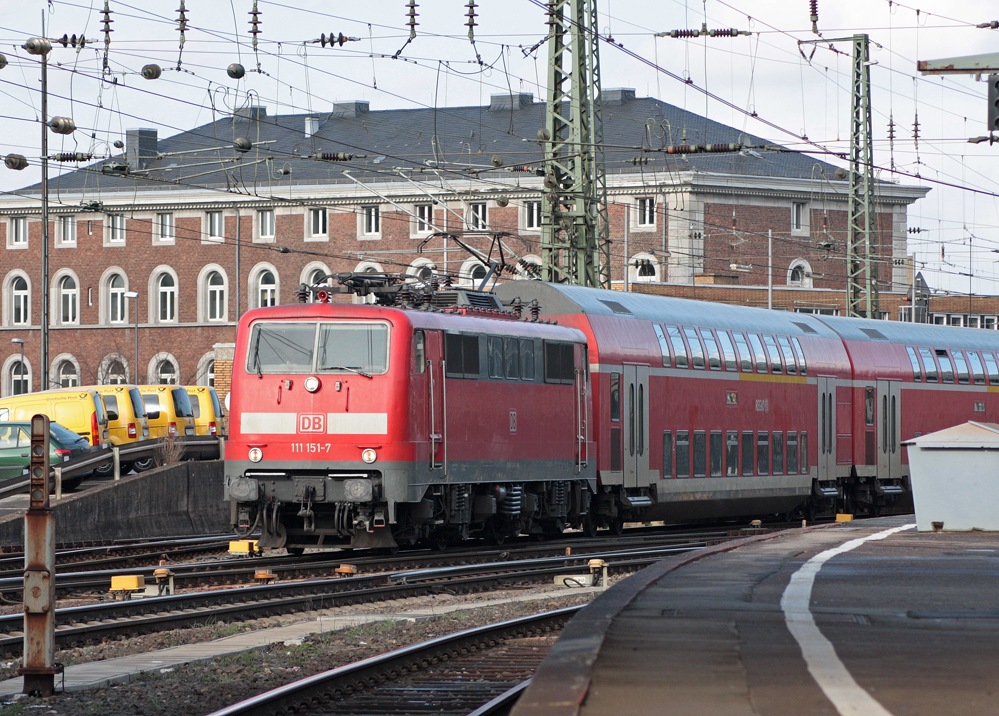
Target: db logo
[(311, 423)]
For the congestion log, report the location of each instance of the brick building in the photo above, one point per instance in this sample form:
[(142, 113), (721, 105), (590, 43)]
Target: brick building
[(239, 212)]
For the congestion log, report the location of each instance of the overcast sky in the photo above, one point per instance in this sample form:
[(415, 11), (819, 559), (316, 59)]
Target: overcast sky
[(764, 73)]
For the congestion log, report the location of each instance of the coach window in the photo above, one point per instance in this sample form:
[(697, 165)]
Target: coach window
[(700, 450), (745, 356), (785, 348), (773, 352), (511, 358), (763, 453), (992, 367), (761, 356), (630, 409), (930, 364), (778, 450), (714, 356), (420, 351), (804, 453), (526, 359), (696, 348), (962, 367), (869, 405), (917, 370), (976, 367), (682, 453), (727, 350), (667, 454), (679, 349), (792, 453), (802, 366), (732, 454), (495, 353), (747, 453), (663, 344), (615, 397), (715, 453), (946, 366)]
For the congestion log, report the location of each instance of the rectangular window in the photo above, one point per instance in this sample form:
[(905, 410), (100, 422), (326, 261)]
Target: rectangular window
[(663, 344), (747, 453), (696, 349), (560, 364), (462, 355), (317, 222), (682, 453), (804, 454), (778, 451), (164, 227), (646, 212), (917, 370), (700, 453), (526, 359), (930, 364), (990, 364), (265, 223), (494, 348), (615, 397), (946, 366), (215, 225), (714, 356), (19, 231), (732, 454), (116, 229), (761, 356), (869, 399), (802, 366), (727, 350), (976, 367), (532, 215), (679, 349), (20, 294), (511, 358), (773, 352), (797, 216), (745, 356), (477, 219), (372, 220), (424, 218), (67, 230), (667, 455), (763, 454), (962, 366), (715, 454), (792, 453), (785, 349)]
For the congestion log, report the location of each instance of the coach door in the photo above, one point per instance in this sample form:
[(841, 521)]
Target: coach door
[(888, 429), (436, 433), (636, 425), (826, 442)]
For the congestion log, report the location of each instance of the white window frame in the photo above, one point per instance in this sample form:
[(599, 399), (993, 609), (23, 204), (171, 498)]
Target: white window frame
[(253, 284), (69, 300), (104, 374), (73, 378), (116, 297), (20, 300), (214, 227), (266, 293), (266, 225), (318, 218), (645, 212), (166, 299), (67, 230), (799, 217), (424, 218), (17, 232), (478, 216), (216, 297), (23, 376), (806, 273), (164, 228), (532, 215), (115, 230), (371, 221)]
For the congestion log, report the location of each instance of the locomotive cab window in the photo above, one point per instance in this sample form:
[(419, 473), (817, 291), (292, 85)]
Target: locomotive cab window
[(559, 363), (462, 355), (281, 348), (353, 348)]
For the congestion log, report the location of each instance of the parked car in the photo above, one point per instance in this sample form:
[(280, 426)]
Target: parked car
[(127, 421), (207, 410), (15, 443), (168, 408), (78, 409)]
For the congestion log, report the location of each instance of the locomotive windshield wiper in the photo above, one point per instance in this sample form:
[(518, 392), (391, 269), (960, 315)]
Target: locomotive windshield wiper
[(256, 354), (352, 369)]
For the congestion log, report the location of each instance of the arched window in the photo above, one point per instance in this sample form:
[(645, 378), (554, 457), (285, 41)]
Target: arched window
[(19, 378), (167, 290), (216, 297), (116, 299), (796, 275), (68, 302), (116, 373), (799, 273), (643, 268), (166, 373), (267, 290), (20, 314), (67, 375)]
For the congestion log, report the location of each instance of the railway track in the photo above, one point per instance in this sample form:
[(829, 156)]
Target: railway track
[(477, 671)]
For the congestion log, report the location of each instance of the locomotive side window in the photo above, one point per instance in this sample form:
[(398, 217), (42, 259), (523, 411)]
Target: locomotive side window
[(802, 366), (511, 358), (353, 347), (747, 453), (761, 356), (494, 349), (700, 449), (420, 351), (804, 453), (470, 356), (714, 356), (728, 351), (785, 348), (962, 366), (917, 370), (696, 348), (773, 352), (715, 453), (281, 348), (946, 366), (667, 454), (682, 453), (615, 397), (679, 349), (990, 364), (792, 453), (732, 454), (462, 355), (930, 364), (745, 356), (976, 367), (763, 453), (778, 450), (526, 359), (560, 364), (663, 344)]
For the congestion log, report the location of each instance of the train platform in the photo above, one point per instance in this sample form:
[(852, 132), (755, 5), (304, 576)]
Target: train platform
[(865, 618)]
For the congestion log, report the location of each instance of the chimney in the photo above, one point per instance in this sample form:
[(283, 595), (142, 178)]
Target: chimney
[(140, 147), (616, 96), (348, 110), (256, 113), (508, 102)]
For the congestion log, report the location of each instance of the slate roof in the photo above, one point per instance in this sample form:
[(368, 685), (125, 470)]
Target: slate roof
[(404, 139)]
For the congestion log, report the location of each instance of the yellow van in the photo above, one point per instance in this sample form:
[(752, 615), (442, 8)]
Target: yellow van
[(78, 409), (127, 421), (168, 408), (207, 410)]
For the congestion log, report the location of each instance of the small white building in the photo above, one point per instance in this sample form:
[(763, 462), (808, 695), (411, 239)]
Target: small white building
[(955, 478)]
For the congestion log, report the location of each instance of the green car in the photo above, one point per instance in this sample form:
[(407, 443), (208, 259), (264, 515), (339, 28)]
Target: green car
[(15, 443)]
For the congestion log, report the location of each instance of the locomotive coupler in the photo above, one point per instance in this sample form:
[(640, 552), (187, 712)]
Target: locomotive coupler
[(306, 513)]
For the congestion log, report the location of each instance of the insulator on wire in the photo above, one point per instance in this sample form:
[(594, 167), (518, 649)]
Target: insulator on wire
[(16, 162), (107, 34), (334, 157), (235, 71), (182, 29), (3, 61), (151, 72), (37, 46), (337, 39), (471, 15), (814, 7), (701, 148), (242, 144), (72, 41), (62, 125), (71, 157), (411, 21), (727, 32)]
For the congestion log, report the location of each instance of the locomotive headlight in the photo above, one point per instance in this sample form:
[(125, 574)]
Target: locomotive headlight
[(369, 456), (256, 454), (311, 384)]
